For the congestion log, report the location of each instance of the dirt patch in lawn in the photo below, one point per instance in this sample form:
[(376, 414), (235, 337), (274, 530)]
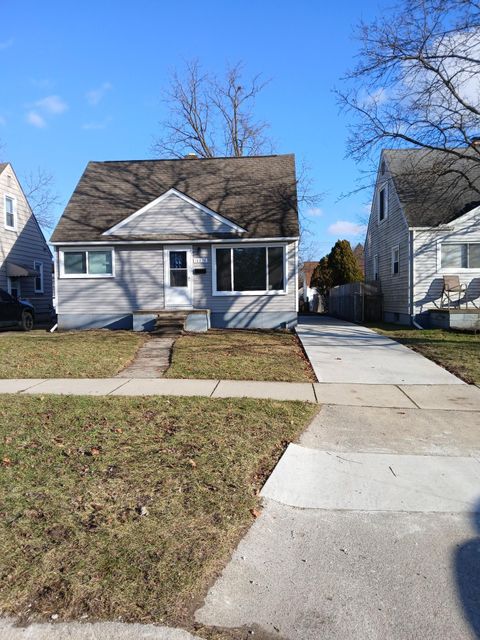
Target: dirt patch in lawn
[(128, 507), (70, 354), (456, 351), (240, 355)]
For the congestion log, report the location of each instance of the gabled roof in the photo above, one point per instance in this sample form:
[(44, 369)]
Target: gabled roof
[(257, 193), (434, 187)]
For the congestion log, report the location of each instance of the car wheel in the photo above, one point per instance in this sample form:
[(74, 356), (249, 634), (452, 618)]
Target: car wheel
[(26, 323)]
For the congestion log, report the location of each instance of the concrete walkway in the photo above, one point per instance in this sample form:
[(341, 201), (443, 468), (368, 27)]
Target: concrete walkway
[(343, 352), (91, 631), (151, 360), (448, 396)]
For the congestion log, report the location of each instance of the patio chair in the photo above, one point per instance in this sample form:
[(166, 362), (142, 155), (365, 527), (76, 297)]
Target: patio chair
[(451, 287)]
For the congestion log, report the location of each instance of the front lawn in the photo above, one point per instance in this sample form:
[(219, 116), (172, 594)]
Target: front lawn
[(127, 507), (72, 354), (240, 355), (456, 351)]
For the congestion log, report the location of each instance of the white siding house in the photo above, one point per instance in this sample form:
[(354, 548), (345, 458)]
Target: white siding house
[(424, 232)]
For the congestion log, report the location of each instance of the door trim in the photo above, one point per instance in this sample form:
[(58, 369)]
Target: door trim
[(166, 279)]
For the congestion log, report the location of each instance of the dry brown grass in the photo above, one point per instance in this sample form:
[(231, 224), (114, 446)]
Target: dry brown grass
[(240, 355), (71, 354), (127, 507)]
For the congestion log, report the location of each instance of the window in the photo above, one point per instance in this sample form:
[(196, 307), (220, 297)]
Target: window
[(10, 213), (382, 204), (249, 270), (460, 255), (395, 260), (38, 267), (375, 268), (91, 263), (14, 287)]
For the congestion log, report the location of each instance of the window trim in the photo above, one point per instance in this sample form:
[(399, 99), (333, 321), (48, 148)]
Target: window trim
[(454, 270), (395, 248), (86, 250), (266, 246), (383, 187), (14, 204), (42, 288)]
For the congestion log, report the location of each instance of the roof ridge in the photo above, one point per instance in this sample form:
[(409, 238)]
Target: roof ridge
[(271, 155)]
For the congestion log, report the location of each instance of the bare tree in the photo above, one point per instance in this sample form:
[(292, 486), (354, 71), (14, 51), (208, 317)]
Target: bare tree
[(41, 195), (417, 82), (212, 116)]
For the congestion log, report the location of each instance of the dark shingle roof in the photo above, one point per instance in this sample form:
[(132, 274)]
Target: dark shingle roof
[(258, 193), (2, 166), (434, 187)]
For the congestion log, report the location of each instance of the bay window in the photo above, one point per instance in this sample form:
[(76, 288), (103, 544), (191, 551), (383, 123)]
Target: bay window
[(86, 263), (255, 269), (460, 255)]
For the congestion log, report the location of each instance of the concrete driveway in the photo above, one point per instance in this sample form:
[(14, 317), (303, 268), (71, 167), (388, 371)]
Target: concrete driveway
[(364, 533), (348, 353)]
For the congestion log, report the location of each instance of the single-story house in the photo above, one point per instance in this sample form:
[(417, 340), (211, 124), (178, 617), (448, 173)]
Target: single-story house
[(158, 235), (424, 226), (25, 258)]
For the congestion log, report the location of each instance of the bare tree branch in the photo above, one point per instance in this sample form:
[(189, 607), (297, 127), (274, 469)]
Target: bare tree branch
[(41, 195), (417, 81), (212, 116)]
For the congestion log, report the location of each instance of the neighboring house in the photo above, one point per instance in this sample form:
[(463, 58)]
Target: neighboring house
[(25, 259), (218, 234), (424, 224)]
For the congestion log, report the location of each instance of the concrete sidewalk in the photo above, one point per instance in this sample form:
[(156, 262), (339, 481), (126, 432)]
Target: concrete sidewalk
[(447, 397), (343, 352)]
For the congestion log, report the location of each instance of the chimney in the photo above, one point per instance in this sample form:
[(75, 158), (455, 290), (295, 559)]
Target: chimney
[(193, 156)]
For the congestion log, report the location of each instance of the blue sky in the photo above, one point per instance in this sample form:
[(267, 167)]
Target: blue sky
[(83, 81)]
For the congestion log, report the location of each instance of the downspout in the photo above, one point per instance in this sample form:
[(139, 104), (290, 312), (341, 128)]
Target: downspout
[(411, 278)]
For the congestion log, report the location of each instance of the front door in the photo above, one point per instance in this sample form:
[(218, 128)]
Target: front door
[(178, 277)]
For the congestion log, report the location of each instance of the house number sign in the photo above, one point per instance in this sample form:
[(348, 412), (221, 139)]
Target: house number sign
[(200, 261)]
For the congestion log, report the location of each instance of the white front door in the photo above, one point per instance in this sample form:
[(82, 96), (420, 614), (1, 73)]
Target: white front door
[(178, 277)]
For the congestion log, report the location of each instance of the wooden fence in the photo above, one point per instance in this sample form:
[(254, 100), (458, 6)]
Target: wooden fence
[(357, 302)]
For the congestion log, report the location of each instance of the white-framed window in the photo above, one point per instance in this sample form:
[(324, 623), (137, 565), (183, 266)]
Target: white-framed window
[(459, 255), (395, 260), (376, 273), (13, 286), (87, 263), (10, 212), (383, 203), (38, 267), (249, 270)]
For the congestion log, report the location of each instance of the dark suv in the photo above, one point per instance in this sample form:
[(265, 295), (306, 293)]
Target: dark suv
[(15, 313)]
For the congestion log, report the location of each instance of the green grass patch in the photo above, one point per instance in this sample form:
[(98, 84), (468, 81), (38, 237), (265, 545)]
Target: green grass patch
[(127, 507), (456, 351), (72, 354), (240, 355)]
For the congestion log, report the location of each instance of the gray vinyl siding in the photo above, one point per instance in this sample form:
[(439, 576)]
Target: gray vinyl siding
[(173, 213), (139, 284), (428, 274), (382, 237), (23, 246)]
